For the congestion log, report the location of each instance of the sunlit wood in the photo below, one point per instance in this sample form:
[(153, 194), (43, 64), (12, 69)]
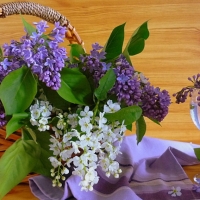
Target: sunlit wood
[(170, 56)]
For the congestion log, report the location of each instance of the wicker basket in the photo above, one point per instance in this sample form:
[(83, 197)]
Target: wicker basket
[(48, 14)]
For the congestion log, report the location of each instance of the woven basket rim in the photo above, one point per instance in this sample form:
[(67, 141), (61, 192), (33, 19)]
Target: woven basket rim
[(43, 12)]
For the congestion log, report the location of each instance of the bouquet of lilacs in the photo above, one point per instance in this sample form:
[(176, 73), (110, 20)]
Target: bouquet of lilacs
[(72, 110)]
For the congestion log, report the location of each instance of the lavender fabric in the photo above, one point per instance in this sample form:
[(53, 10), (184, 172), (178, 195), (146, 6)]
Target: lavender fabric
[(149, 170)]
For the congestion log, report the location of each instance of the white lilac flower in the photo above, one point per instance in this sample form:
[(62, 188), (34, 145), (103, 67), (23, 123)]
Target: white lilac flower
[(113, 167), (61, 124), (34, 122), (104, 163), (122, 128), (93, 142), (40, 114), (77, 161), (96, 145), (111, 107), (66, 154), (84, 159), (84, 185), (90, 178), (65, 171), (109, 136), (45, 111), (43, 121), (35, 113), (75, 147), (85, 124), (75, 133), (102, 120), (86, 113), (57, 132), (91, 175), (107, 146), (98, 135), (91, 156), (176, 191), (35, 106), (56, 146), (55, 163), (72, 120), (67, 137), (43, 127)]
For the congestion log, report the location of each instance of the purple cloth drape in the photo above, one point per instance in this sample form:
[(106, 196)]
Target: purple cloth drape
[(149, 170)]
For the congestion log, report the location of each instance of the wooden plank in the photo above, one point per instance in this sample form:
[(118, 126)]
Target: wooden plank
[(171, 53)]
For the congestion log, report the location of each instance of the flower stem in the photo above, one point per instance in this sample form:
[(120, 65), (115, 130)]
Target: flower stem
[(95, 111)]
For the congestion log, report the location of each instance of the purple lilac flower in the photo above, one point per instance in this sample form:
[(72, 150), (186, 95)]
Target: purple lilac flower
[(46, 59), (127, 87), (2, 116), (41, 26), (93, 65), (5, 64), (155, 102), (182, 95), (58, 32)]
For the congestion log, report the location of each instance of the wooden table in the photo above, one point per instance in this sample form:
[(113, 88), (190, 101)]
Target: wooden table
[(172, 52)]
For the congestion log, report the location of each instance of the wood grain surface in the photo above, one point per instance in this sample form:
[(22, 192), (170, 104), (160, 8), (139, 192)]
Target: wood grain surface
[(172, 52)]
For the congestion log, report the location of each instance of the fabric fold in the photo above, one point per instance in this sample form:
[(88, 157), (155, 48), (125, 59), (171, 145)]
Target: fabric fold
[(42, 188), (149, 170)]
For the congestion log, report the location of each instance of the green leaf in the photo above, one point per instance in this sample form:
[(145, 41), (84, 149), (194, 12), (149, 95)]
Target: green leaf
[(140, 128), (29, 28), (197, 153), (32, 133), (42, 164), (23, 157), (128, 114), (137, 41), (113, 47), (75, 87), (75, 52), (54, 98), (105, 84), (15, 123), (129, 127), (18, 90), (155, 121), (15, 164)]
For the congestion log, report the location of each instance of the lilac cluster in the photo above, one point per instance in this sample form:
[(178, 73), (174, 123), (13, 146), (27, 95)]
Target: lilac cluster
[(131, 87), (127, 87), (92, 64), (155, 103), (182, 95), (38, 52)]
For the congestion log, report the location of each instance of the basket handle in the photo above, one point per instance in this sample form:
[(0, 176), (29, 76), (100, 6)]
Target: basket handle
[(44, 12)]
